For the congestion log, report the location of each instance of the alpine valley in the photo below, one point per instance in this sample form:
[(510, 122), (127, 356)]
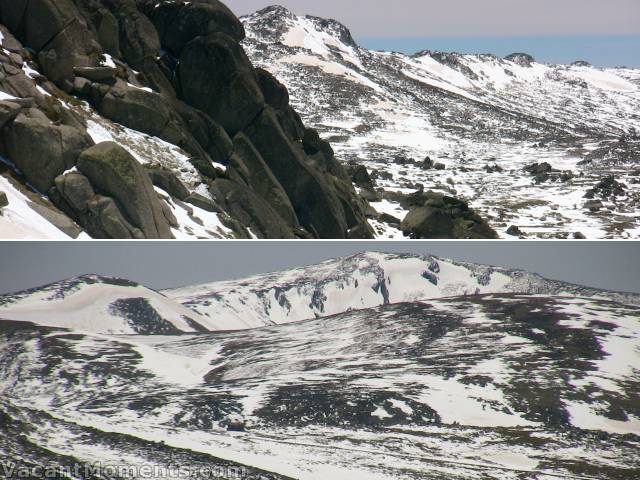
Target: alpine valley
[(374, 366), (135, 119)]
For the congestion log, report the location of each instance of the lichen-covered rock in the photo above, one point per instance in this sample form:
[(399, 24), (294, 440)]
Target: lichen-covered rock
[(114, 172)]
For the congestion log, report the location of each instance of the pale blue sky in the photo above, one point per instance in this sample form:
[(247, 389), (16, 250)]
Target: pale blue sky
[(605, 33)]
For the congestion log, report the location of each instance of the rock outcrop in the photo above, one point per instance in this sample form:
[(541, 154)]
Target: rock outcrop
[(173, 70), (434, 215)]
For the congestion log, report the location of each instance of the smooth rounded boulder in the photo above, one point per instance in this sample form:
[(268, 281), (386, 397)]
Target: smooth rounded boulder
[(178, 23), (216, 77)]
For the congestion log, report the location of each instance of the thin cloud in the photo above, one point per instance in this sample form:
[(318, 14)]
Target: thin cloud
[(420, 18)]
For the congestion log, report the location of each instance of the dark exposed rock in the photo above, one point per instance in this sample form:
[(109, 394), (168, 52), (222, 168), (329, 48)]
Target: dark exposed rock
[(204, 91), (608, 187), (253, 170), (594, 205), (41, 149), (56, 31), (4, 201), (390, 219), (318, 209), (148, 112), (106, 221), (209, 134), (493, 169), (203, 202), (440, 166), (216, 77), (251, 210), (76, 189), (360, 175), (514, 231), (402, 160), (538, 168), (8, 111), (579, 236), (522, 59), (96, 74), (445, 217), (428, 163), (113, 171), (57, 219), (167, 181), (274, 92), (178, 23)]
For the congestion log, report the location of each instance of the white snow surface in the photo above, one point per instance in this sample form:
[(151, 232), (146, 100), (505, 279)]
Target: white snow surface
[(87, 306)]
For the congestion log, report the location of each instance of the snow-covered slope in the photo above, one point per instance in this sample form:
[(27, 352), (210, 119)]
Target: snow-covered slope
[(482, 387), (472, 113), (359, 281), (97, 304)]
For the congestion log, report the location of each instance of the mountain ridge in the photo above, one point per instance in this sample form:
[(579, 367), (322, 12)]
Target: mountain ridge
[(552, 135)]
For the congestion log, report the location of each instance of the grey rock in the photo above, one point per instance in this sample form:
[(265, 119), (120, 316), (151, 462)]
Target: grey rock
[(113, 171)]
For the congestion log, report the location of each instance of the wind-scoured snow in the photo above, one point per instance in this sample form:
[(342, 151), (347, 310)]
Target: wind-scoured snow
[(469, 112)]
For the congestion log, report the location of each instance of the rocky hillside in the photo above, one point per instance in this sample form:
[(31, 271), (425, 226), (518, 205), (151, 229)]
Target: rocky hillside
[(487, 387), (539, 151), (361, 281), (145, 119)]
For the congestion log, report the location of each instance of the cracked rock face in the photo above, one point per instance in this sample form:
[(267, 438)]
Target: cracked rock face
[(171, 85)]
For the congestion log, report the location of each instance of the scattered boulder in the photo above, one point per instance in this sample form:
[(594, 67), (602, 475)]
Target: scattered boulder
[(445, 217), (4, 201), (360, 175), (428, 164), (390, 219), (113, 171), (105, 220), (608, 187), (579, 236), (514, 231), (402, 160), (97, 74), (440, 166), (594, 205), (493, 168)]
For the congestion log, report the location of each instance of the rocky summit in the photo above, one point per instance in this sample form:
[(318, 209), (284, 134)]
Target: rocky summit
[(146, 119)]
